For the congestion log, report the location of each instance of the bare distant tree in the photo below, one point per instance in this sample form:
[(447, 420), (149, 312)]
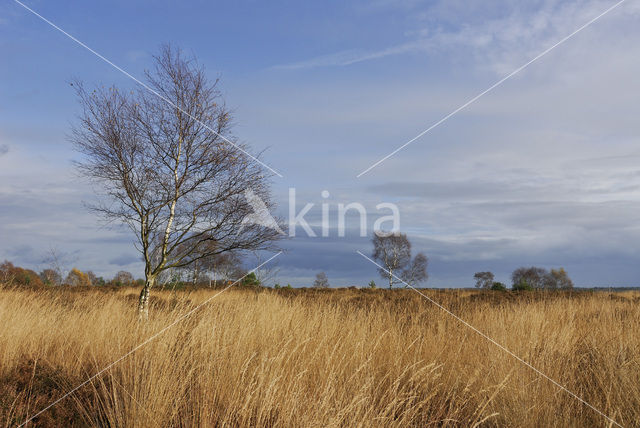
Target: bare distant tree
[(416, 271), (393, 252), (57, 262), (93, 278), (51, 277), (240, 271), (169, 277), (321, 281), (123, 278), (7, 273), (226, 266), (267, 273), (166, 169), (483, 279), (196, 272)]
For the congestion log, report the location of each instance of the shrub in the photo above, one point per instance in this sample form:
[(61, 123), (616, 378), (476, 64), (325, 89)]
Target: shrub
[(251, 279), (523, 285), (372, 284), (498, 286)]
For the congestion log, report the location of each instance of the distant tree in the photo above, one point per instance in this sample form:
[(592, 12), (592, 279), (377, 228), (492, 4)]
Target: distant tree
[(168, 172), (535, 277), (77, 278), (372, 284), (321, 281), (14, 275), (58, 262), (195, 273), (393, 253), (226, 266), (267, 272), (7, 273), (561, 279), (51, 277), (483, 279), (123, 278), (237, 274), (416, 272), (93, 278)]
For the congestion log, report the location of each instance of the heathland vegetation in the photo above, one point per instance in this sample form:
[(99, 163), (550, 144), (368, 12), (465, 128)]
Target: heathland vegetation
[(317, 357)]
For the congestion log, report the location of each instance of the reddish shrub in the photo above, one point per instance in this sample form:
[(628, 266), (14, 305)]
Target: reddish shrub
[(13, 275)]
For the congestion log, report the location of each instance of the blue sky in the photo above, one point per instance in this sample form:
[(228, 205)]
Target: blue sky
[(544, 170)]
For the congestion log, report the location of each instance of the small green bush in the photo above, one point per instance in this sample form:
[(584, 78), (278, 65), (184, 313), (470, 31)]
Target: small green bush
[(521, 286), (251, 279), (498, 286), (372, 284)]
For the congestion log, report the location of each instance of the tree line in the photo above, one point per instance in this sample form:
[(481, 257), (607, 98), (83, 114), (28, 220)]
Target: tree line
[(527, 278), (15, 275), (214, 271)]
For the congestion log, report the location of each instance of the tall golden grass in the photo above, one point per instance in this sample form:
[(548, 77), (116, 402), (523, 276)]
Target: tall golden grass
[(319, 358)]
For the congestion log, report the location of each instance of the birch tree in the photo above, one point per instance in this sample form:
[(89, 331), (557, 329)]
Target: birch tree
[(484, 279), (165, 170), (321, 281), (393, 253)]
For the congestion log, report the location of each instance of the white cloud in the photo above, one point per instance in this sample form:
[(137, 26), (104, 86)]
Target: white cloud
[(502, 43)]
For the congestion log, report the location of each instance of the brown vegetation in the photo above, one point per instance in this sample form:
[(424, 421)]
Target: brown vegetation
[(318, 357)]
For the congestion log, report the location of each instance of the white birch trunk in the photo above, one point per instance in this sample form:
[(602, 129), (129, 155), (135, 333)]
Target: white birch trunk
[(143, 301)]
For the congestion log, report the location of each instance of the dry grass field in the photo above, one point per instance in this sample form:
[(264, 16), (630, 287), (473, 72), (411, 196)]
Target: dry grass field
[(315, 358)]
